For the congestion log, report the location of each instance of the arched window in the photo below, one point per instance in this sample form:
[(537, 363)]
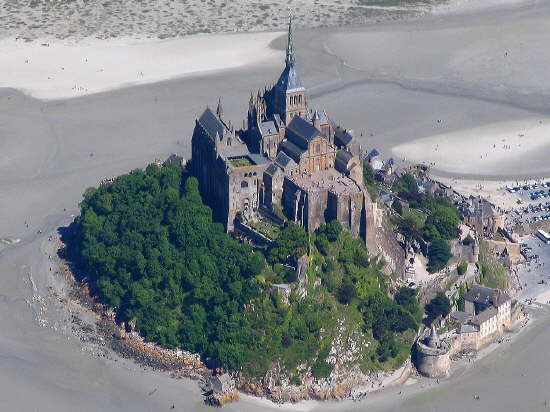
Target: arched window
[(300, 99), (244, 184)]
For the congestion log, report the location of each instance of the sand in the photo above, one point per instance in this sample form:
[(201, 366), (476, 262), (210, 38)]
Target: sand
[(60, 69), (52, 150)]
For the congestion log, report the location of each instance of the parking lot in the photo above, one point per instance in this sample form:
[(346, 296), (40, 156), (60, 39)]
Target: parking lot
[(534, 273), (533, 204)]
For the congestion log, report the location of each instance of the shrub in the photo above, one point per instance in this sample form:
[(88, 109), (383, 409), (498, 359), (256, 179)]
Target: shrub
[(462, 268)]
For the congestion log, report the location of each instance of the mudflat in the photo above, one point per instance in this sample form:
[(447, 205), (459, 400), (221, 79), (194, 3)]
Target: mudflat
[(390, 83)]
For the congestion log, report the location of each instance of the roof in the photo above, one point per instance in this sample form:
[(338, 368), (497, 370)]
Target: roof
[(302, 128), (486, 296), (258, 159), (460, 317), (268, 128), (289, 81), (343, 156), (292, 150), (343, 137), (467, 328), (211, 124), (484, 316), (373, 153), (433, 339), (282, 159), (272, 169)]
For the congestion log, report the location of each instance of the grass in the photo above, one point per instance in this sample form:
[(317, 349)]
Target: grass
[(241, 162), (267, 228), (493, 273)]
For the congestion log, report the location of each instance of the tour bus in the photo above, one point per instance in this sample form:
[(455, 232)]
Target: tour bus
[(545, 237)]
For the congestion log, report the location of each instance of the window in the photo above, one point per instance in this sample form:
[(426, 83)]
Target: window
[(318, 148), (244, 184)]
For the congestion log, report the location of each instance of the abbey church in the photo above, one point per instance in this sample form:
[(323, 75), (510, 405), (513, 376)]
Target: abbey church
[(288, 158)]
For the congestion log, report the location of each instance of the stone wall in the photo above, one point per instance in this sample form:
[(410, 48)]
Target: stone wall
[(432, 362)]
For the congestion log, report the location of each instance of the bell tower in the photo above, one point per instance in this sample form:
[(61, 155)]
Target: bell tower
[(290, 94)]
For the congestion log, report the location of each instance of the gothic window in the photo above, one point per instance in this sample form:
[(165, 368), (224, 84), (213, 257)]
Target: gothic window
[(300, 99), (318, 148), (244, 184)]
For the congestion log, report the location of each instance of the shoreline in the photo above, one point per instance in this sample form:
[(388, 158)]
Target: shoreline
[(130, 346)]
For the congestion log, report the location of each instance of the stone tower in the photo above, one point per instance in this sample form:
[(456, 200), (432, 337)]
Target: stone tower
[(289, 93)]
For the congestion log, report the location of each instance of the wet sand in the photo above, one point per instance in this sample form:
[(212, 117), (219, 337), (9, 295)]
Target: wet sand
[(51, 151)]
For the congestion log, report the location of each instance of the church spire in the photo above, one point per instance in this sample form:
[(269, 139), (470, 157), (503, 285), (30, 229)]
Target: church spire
[(290, 44)]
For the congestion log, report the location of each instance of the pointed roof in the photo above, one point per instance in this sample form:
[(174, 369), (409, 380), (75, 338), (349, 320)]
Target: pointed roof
[(211, 124), (433, 339), (290, 43), (289, 80)]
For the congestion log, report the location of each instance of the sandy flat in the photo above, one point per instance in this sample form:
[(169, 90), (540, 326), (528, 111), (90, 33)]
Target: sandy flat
[(52, 150), (495, 148), (56, 69)]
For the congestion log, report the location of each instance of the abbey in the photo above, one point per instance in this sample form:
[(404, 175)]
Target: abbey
[(287, 158)]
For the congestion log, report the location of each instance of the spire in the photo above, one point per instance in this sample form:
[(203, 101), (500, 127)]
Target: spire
[(219, 109), (290, 46)]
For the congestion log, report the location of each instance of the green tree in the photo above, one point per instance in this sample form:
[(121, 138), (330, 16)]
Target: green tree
[(439, 305), (291, 243), (439, 254), (397, 206)]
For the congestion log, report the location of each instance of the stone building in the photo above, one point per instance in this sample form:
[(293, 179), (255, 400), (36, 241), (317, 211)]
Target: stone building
[(488, 313), (287, 157), (482, 216), (433, 356), (490, 309)]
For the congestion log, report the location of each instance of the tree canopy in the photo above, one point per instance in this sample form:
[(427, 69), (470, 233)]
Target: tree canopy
[(150, 250)]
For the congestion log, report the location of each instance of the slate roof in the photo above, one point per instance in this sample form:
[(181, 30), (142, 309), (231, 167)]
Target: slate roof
[(343, 156), (486, 296), (466, 328), (343, 137), (460, 316), (484, 316), (292, 150), (289, 81), (268, 128), (373, 153), (272, 169), (282, 159), (302, 128), (210, 122), (258, 158)]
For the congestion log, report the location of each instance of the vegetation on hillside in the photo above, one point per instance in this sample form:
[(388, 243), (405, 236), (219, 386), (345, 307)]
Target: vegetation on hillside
[(429, 218), (492, 273), (150, 250)]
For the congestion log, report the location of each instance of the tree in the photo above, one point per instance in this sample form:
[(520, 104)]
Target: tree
[(368, 174), (462, 268), (407, 298), (347, 291), (405, 184), (439, 254), (331, 230), (439, 305), (151, 251), (291, 243), (397, 206)]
